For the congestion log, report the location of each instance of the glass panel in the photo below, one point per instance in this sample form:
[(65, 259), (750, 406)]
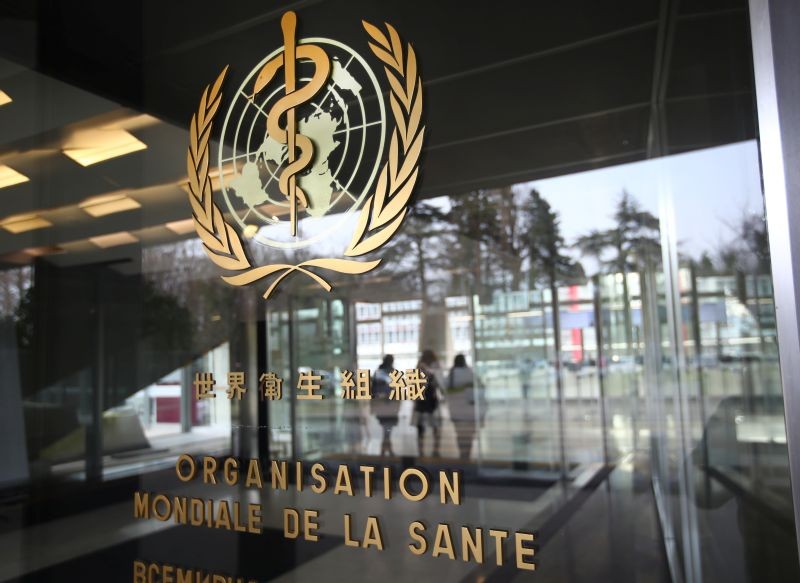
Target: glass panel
[(579, 294)]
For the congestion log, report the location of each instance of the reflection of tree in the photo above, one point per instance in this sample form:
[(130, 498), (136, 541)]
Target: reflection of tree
[(753, 231), (472, 217), (23, 315), (508, 236), (704, 265), (748, 248), (547, 262), (417, 252), (13, 283), (633, 244), (545, 244), (492, 228), (748, 252), (165, 322), (180, 271)]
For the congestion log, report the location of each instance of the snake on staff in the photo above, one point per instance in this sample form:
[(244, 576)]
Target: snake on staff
[(299, 148)]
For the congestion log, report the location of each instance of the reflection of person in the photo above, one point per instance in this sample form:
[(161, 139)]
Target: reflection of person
[(727, 465), (426, 410), (384, 409), (463, 392), (525, 371)]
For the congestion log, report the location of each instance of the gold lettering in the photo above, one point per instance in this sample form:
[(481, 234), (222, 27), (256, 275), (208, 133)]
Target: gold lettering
[(166, 574), (472, 545), (450, 487), (291, 523), (185, 459), (180, 509), (367, 471), (348, 541), (415, 530), (223, 515), (139, 570), (343, 481), (443, 543), (372, 534), (387, 485), (141, 505), (310, 525), (253, 474), (498, 535), (237, 525), (317, 475), (196, 514), (279, 476), (523, 551), (423, 480), (298, 475), (230, 470), (209, 467), (168, 508), (254, 518)]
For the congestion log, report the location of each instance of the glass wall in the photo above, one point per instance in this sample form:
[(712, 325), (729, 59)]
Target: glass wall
[(583, 274)]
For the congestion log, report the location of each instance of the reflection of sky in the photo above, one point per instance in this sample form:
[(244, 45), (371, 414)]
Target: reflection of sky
[(709, 189), (340, 231)]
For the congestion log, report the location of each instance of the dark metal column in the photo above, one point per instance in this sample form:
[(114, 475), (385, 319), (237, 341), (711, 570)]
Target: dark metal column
[(598, 334), (187, 396)]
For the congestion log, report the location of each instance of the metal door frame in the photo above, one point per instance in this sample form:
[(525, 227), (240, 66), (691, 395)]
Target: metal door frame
[(774, 26)]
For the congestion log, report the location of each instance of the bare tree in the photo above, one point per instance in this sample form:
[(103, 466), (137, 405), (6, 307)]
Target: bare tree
[(13, 284), (633, 244), (419, 252)]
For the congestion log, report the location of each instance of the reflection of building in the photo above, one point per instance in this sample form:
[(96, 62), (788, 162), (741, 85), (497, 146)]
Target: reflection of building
[(394, 328), (388, 328), (162, 407)]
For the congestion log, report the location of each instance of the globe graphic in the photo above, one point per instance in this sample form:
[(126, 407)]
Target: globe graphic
[(346, 123)]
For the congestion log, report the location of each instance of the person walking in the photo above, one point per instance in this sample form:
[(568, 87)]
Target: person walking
[(384, 409), (426, 410), (464, 394)]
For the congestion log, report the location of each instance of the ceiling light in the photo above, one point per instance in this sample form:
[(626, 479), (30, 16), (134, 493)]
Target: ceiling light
[(134, 122), (22, 223), (106, 204), (41, 251), (89, 147), (181, 227), (114, 239), (4, 98), (214, 174), (10, 177)]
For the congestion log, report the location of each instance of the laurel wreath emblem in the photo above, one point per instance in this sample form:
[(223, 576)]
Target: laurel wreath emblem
[(380, 216)]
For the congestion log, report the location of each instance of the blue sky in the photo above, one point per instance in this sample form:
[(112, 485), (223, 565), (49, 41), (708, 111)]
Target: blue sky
[(708, 189)]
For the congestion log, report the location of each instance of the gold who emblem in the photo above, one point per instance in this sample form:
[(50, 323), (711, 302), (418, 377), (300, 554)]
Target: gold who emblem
[(385, 202)]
